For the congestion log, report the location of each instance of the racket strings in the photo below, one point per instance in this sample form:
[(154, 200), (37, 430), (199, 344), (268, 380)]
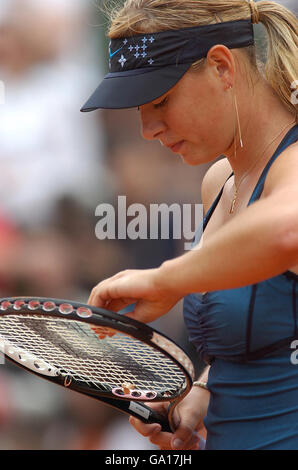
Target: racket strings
[(74, 348)]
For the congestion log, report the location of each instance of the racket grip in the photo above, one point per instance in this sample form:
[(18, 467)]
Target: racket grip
[(149, 416), (161, 419)]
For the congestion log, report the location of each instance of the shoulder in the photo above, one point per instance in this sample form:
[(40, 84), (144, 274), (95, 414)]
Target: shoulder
[(283, 173), (214, 179)]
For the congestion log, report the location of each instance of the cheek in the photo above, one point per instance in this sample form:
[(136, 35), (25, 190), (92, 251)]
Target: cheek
[(205, 119), (197, 116), (186, 122), (215, 123)]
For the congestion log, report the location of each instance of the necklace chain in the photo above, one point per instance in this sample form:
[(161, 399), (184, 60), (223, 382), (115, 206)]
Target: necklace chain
[(252, 167)]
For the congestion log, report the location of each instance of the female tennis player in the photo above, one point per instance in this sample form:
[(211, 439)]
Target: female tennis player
[(190, 66)]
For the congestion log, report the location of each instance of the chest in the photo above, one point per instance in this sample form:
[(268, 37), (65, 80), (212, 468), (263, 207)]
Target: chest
[(230, 322)]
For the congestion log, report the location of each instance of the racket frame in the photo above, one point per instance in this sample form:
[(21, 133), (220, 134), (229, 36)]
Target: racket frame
[(100, 317)]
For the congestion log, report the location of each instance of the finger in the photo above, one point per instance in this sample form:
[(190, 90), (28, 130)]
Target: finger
[(119, 304), (189, 444), (109, 291), (108, 288), (153, 433), (145, 430), (185, 430), (141, 313), (162, 439), (100, 295), (92, 296)]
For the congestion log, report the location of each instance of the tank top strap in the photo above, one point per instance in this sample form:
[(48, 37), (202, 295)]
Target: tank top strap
[(214, 204), (290, 138), (200, 229)]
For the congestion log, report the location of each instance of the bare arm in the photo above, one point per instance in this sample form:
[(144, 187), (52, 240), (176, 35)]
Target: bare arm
[(263, 239)]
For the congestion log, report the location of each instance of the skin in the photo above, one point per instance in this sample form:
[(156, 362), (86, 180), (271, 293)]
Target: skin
[(187, 418), (200, 110)]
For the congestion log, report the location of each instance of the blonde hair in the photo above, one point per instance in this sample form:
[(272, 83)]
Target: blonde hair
[(281, 67)]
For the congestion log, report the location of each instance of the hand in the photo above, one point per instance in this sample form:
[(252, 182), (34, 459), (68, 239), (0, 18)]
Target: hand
[(144, 288), (188, 419)]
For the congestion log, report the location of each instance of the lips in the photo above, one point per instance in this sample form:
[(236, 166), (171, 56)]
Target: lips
[(176, 147)]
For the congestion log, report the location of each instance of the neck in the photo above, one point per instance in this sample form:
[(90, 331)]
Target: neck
[(263, 127)]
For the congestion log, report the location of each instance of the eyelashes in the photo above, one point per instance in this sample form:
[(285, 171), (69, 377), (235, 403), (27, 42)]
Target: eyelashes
[(157, 105), (161, 103)]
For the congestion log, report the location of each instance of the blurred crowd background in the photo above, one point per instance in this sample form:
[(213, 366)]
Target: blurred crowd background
[(56, 166)]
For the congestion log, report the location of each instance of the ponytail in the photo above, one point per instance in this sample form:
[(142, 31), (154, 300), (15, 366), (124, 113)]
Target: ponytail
[(281, 67)]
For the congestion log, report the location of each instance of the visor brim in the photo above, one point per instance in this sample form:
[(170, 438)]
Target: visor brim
[(129, 90)]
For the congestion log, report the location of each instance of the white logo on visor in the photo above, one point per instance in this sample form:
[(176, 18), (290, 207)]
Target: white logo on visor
[(122, 60)]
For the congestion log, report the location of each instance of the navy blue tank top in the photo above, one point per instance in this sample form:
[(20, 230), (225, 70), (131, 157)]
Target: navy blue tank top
[(248, 336)]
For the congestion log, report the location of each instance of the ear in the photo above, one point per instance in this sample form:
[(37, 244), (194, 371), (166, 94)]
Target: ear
[(222, 63)]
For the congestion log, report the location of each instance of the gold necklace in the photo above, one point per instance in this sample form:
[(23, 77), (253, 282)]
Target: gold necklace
[(252, 167)]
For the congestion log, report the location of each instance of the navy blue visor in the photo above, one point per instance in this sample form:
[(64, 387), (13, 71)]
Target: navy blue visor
[(145, 66)]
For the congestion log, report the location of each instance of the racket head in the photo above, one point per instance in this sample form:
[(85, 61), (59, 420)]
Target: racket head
[(92, 350)]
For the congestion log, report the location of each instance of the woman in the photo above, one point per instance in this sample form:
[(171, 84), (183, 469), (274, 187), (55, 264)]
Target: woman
[(190, 67)]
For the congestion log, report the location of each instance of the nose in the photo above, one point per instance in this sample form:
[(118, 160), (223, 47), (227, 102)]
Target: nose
[(152, 124)]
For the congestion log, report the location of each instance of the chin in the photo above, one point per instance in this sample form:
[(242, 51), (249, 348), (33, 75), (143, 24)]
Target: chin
[(194, 160), (190, 163)]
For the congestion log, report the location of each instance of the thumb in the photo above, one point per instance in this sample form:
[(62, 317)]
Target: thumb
[(185, 434), (141, 313)]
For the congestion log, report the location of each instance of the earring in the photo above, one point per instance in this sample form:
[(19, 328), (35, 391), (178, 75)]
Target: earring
[(238, 122)]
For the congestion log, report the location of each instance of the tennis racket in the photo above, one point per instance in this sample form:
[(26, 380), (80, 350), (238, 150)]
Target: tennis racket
[(101, 354)]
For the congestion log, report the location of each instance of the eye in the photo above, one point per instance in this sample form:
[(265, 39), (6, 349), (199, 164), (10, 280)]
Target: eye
[(161, 103)]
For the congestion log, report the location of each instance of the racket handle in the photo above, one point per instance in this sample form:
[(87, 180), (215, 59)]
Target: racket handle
[(139, 410), (161, 419), (148, 415), (152, 416)]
